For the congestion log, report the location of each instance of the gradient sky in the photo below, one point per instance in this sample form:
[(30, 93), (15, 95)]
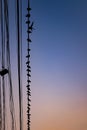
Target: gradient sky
[(59, 65), (58, 62)]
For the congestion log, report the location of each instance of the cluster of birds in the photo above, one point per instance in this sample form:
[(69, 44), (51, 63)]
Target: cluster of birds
[(29, 31)]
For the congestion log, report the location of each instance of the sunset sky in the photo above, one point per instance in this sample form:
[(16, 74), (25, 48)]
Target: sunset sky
[(58, 64)]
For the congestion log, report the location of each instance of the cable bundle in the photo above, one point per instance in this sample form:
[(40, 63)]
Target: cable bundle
[(6, 67)]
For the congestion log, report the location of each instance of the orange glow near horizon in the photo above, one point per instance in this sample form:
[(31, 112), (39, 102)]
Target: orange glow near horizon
[(54, 115)]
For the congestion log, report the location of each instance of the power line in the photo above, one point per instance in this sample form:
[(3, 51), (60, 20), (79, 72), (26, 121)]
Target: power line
[(29, 31), (11, 102), (6, 58), (0, 84), (19, 45), (3, 85), (0, 107)]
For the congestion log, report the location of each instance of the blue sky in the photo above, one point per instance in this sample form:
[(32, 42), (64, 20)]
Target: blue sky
[(59, 60), (59, 39)]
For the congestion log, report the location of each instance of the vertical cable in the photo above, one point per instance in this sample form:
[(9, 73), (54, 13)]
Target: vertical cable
[(29, 31), (3, 85), (19, 62), (0, 107), (0, 82), (20, 20), (11, 101)]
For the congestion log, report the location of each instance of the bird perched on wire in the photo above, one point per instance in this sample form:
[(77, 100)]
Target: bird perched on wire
[(31, 26)]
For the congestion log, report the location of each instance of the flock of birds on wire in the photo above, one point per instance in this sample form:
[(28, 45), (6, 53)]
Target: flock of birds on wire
[(5, 64)]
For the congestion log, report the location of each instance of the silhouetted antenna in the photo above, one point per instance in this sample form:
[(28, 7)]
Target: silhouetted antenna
[(29, 31)]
